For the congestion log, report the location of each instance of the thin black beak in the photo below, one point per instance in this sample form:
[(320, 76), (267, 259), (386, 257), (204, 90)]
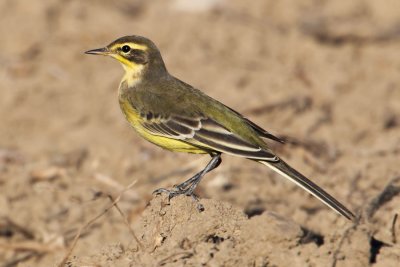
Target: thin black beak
[(100, 51)]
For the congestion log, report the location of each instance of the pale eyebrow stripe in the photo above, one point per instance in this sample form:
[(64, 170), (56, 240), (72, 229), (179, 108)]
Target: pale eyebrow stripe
[(132, 45)]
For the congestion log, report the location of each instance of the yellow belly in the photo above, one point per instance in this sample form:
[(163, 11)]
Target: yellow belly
[(167, 143)]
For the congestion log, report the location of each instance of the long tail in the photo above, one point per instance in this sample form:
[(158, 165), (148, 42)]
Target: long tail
[(288, 172)]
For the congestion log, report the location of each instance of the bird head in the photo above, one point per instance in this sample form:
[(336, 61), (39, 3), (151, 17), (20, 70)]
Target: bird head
[(137, 55)]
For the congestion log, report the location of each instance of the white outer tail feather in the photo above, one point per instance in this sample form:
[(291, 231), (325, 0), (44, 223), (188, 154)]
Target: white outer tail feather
[(340, 210)]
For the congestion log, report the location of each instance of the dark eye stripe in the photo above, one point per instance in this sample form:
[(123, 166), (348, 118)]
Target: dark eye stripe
[(137, 56)]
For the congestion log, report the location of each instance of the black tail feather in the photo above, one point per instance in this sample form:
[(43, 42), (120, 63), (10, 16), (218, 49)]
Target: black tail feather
[(288, 172)]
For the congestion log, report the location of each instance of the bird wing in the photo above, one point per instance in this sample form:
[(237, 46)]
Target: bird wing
[(259, 130), (204, 132)]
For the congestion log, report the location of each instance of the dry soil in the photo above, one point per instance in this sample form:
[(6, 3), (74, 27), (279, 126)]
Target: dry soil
[(322, 74)]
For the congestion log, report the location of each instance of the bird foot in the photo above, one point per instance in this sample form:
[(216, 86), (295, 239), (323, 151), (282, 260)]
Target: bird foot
[(176, 191)]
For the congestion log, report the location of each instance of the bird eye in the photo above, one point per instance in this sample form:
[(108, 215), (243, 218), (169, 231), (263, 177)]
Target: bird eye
[(126, 48)]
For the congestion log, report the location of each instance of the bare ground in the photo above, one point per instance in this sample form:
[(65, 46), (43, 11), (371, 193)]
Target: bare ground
[(324, 74)]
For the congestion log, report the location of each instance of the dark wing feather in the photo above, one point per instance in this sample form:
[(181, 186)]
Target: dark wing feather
[(207, 133), (218, 137), (260, 131)]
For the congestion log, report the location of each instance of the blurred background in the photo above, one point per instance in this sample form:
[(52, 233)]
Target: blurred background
[(324, 74)]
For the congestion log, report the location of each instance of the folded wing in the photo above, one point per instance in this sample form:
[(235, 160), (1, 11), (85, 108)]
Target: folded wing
[(205, 132)]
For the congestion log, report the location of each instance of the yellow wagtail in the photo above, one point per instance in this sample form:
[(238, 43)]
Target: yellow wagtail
[(175, 116)]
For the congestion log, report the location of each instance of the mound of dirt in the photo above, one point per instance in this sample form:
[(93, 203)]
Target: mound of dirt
[(176, 233)]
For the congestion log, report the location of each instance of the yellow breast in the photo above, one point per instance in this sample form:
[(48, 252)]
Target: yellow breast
[(135, 120)]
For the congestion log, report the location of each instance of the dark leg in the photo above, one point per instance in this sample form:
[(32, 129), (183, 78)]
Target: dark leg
[(190, 185), (195, 180)]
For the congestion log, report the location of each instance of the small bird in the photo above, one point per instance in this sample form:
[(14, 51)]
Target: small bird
[(178, 117)]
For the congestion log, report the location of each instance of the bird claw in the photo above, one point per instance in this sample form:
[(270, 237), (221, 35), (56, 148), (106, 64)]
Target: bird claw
[(176, 191), (159, 191)]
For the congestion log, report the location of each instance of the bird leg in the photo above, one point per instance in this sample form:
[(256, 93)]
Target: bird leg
[(187, 187)]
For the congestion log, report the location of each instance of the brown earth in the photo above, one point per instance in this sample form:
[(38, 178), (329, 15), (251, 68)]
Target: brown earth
[(325, 74)]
